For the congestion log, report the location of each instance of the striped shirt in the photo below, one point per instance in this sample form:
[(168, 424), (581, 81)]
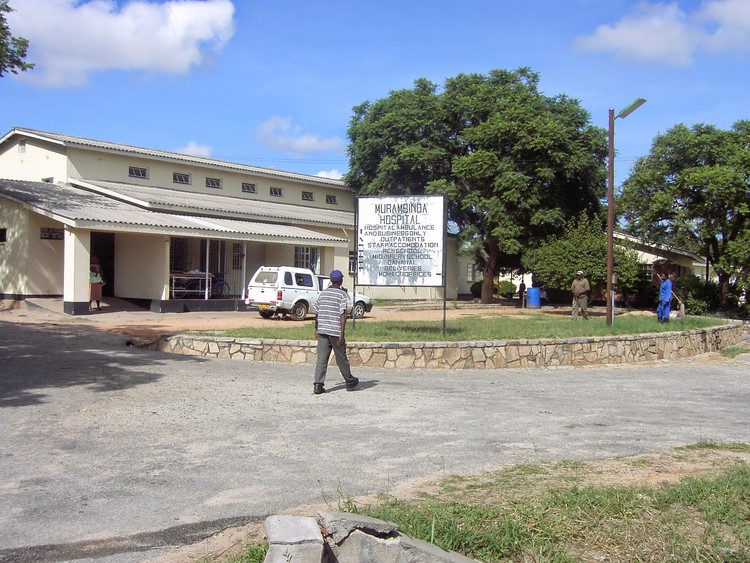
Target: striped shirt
[(329, 308)]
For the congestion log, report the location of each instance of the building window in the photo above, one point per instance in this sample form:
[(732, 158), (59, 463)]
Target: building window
[(237, 256), (213, 183), (331, 200), (137, 172), (179, 178), (307, 196), (306, 257), (276, 192), (3, 235), (249, 188), (177, 254), (22, 146)]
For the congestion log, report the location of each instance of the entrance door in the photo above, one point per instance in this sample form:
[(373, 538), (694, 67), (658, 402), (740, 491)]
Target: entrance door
[(103, 250)]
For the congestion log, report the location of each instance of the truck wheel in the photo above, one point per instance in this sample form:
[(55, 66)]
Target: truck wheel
[(299, 311), (266, 314), (358, 311)]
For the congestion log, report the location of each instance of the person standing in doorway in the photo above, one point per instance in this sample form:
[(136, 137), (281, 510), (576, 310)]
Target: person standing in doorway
[(95, 288), (665, 298), (330, 328), (580, 288)]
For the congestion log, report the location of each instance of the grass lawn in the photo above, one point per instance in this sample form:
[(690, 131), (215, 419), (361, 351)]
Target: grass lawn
[(479, 327)]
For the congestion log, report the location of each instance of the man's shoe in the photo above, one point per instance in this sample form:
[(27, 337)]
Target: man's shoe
[(352, 385), (318, 389)]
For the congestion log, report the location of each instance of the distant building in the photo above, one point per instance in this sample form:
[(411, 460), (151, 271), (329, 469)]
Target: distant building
[(152, 219)]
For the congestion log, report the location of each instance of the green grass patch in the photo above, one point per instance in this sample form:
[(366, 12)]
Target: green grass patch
[(734, 351), (477, 328)]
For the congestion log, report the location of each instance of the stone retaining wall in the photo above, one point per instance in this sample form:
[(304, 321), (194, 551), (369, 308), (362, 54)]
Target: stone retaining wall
[(469, 355)]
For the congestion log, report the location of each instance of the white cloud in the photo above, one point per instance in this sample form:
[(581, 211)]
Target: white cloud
[(194, 149), (279, 133), (663, 33), (69, 39), (332, 174)]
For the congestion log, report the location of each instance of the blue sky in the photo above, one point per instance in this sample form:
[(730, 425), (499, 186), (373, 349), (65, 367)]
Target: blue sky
[(273, 83)]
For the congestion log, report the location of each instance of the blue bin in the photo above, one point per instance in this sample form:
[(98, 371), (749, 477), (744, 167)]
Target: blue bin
[(534, 298)]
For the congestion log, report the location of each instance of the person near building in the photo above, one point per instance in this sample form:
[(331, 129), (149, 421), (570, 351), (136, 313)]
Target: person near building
[(95, 288), (330, 328), (665, 298), (580, 288)]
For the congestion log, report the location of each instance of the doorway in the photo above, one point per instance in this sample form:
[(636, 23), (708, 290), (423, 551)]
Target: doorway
[(103, 250)]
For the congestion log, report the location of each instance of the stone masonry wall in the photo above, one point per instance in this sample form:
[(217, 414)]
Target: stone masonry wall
[(469, 355)]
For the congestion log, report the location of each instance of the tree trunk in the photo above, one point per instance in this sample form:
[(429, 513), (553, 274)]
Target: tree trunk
[(490, 265), (724, 289)]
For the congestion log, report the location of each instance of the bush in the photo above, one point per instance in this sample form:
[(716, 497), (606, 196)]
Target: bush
[(699, 297), (476, 289), (506, 288)]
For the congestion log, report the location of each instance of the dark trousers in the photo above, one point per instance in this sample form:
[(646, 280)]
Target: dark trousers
[(325, 345)]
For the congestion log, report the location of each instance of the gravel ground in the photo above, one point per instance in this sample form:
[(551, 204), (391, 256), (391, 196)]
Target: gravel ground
[(113, 453)]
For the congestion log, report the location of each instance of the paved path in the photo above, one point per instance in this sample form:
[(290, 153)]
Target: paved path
[(112, 453)]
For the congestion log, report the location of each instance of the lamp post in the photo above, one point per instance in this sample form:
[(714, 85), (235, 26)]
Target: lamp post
[(611, 205)]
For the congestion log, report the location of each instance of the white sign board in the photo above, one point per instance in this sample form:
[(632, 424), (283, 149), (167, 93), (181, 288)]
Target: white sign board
[(400, 241)]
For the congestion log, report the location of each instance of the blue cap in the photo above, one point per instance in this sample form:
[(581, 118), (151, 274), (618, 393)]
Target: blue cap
[(336, 276)]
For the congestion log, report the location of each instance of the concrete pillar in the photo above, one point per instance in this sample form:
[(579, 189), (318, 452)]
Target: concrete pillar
[(76, 271)]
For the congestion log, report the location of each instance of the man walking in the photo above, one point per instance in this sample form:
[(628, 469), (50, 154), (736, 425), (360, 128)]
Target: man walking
[(330, 325), (580, 289)]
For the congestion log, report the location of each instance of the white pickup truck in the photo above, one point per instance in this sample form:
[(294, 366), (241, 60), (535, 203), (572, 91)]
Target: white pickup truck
[(283, 290)]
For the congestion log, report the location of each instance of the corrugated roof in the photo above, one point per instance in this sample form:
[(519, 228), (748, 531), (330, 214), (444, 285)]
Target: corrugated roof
[(170, 200), (83, 209), (154, 153)]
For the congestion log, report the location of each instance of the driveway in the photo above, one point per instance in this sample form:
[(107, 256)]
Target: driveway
[(113, 453)]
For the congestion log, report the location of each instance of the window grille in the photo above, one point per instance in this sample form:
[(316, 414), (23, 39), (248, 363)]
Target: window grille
[(137, 172), (306, 257), (213, 183), (179, 178), (307, 196), (277, 192), (249, 188), (331, 200)]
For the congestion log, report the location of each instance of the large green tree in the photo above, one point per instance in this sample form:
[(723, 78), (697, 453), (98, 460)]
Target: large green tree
[(12, 49), (693, 189), (515, 164)]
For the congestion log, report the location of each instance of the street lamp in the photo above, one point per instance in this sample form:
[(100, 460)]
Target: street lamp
[(611, 205)]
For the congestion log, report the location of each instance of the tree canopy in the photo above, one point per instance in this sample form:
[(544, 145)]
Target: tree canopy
[(693, 189), (515, 164), (12, 49)]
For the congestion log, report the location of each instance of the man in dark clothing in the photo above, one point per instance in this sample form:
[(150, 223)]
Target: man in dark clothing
[(330, 325), (580, 288)]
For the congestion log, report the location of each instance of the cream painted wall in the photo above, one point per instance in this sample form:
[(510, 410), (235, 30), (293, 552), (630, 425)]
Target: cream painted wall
[(36, 162), (77, 262), (141, 266), (114, 167), (46, 258), (14, 252)]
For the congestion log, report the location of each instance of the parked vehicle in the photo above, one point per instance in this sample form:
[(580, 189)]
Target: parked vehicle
[(292, 291)]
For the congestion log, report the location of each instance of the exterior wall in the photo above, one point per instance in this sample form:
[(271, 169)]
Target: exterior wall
[(114, 167), (39, 160), (44, 268), (141, 266), (14, 254)]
